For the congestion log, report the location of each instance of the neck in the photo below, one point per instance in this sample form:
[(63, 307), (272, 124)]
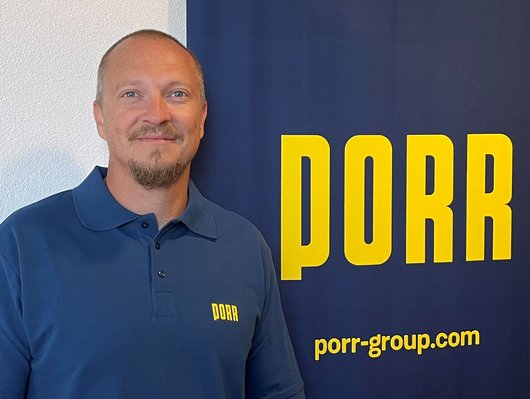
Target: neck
[(166, 203)]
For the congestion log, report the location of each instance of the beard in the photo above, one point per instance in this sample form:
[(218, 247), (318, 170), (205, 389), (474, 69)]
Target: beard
[(150, 177), (156, 176)]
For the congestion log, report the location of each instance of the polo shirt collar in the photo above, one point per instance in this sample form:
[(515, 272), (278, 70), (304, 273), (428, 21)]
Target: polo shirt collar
[(98, 210), (198, 215), (96, 207)]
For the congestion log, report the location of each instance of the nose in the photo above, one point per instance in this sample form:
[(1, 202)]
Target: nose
[(157, 111)]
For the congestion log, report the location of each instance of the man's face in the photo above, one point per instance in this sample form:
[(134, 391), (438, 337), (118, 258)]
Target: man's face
[(151, 113)]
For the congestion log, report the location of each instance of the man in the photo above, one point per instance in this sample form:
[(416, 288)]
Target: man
[(133, 285)]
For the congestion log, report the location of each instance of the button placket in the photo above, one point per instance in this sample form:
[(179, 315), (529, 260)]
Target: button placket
[(158, 269), (162, 293)]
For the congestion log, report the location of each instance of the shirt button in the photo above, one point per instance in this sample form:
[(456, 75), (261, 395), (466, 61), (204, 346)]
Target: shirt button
[(157, 245), (145, 225), (161, 274)]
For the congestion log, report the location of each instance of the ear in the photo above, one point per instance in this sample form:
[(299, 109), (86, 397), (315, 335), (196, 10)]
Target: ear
[(97, 111), (203, 116)]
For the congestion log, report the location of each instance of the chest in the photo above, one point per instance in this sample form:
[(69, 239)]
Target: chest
[(176, 301)]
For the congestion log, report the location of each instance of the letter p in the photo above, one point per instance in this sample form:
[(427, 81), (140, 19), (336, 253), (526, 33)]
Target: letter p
[(295, 255)]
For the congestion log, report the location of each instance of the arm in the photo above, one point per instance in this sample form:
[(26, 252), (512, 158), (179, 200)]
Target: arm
[(14, 349), (271, 370)]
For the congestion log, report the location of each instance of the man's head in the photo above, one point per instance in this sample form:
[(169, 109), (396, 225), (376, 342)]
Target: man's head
[(145, 33), (150, 107)]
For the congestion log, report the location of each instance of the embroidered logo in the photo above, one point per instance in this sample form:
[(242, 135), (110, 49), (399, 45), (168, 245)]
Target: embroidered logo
[(224, 311)]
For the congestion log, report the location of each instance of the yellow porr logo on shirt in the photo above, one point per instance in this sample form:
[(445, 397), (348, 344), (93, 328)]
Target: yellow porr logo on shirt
[(224, 311)]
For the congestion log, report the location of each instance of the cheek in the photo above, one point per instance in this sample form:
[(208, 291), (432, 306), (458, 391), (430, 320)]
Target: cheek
[(119, 130), (121, 120)]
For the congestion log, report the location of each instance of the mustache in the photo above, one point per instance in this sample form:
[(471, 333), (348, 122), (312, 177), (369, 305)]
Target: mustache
[(166, 129)]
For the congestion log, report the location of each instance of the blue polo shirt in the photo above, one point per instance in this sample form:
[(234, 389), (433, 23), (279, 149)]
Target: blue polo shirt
[(96, 302)]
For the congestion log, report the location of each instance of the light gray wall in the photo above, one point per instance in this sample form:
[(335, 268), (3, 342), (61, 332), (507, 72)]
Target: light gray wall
[(48, 61)]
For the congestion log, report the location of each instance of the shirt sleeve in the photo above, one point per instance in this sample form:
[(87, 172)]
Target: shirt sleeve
[(272, 371), (14, 353)]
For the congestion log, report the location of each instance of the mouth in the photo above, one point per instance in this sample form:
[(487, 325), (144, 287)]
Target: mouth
[(156, 139), (156, 134)]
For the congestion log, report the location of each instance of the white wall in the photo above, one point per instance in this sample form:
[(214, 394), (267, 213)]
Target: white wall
[(49, 55)]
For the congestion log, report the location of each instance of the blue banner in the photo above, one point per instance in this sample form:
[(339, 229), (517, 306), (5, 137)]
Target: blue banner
[(380, 146)]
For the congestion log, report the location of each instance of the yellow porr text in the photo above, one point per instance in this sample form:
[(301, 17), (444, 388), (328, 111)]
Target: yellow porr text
[(422, 203), (222, 311), (377, 344)]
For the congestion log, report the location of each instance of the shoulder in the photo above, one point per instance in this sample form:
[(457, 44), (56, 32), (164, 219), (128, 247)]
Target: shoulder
[(33, 221), (47, 209), (230, 222)]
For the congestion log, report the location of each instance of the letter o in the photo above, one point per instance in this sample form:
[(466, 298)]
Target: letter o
[(334, 346), (396, 345), (454, 339)]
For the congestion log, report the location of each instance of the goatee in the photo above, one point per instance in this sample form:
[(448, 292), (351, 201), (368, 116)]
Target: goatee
[(150, 177)]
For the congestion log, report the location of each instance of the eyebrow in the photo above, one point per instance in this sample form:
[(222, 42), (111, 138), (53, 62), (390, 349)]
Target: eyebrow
[(136, 82)]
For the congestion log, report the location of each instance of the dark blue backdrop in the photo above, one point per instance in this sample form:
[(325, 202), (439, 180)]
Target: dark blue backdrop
[(344, 68)]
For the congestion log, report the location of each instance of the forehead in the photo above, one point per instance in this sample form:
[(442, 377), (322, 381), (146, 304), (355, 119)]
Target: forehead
[(149, 56)]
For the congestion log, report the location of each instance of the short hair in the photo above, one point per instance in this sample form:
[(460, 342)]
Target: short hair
[(146, 33)]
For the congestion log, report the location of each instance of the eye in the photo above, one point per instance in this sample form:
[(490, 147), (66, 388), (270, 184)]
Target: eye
[(178, 93), (130, 94)]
